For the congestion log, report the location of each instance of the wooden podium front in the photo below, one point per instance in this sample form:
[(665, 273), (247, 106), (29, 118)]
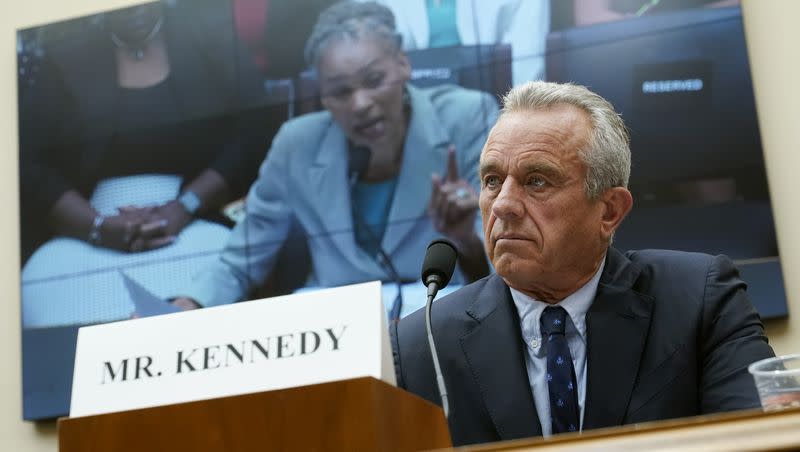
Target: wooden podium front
[(358, 414)]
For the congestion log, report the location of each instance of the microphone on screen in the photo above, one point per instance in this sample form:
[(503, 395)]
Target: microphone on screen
[(437, 269)]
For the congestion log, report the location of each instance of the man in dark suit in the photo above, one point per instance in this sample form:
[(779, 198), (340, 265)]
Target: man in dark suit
[(570, 334)]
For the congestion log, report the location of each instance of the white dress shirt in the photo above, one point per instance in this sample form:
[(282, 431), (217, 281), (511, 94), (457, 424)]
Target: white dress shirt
[(530, 311)]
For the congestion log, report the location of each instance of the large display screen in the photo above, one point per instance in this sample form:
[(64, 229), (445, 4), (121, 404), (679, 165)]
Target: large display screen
[(200, 150)]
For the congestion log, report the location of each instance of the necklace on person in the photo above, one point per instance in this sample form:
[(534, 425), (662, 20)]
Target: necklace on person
[(137, 50)]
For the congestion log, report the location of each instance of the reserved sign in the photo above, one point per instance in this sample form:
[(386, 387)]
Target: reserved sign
[(274, 343)]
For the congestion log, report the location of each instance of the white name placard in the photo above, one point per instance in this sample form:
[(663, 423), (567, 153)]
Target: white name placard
[(275, 343)]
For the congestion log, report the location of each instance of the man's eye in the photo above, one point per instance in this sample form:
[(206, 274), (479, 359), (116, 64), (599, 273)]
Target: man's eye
[(491, 181), (537, 182)]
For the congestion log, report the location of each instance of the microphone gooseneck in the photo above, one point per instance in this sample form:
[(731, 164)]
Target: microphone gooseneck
[(437, 269)]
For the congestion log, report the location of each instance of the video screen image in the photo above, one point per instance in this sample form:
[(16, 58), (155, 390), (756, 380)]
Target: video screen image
[(216, 151)]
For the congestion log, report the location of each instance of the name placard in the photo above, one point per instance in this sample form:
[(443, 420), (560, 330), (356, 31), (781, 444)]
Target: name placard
[(275, 343)]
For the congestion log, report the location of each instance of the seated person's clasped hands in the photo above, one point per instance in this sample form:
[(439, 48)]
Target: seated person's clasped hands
[(134, 229), (146, 228)]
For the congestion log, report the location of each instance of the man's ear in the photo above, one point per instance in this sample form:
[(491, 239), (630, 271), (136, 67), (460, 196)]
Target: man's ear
[(617, 202)]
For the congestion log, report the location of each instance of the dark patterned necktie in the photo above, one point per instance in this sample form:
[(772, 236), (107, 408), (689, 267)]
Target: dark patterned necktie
[(564, 411)]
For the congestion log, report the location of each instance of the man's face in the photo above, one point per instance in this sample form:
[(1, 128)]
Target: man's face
[(542, 234), (362, 86)]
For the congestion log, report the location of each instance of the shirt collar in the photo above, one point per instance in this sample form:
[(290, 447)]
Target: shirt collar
[(576, 305)]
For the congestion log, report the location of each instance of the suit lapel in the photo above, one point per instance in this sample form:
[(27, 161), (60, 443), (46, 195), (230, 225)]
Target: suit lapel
[(617, 325), (329, 194), (424, 153), (495, 353)]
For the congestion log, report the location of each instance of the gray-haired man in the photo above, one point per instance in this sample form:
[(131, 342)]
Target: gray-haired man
[(570, 334)]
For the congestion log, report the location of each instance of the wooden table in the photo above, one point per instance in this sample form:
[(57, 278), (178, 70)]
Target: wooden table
[(738, 431)]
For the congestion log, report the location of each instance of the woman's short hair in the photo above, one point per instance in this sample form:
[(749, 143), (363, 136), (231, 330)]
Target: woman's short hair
[(351, 20), (608, 154)]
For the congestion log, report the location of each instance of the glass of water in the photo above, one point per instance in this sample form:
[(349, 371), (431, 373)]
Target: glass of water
[(778, 382)]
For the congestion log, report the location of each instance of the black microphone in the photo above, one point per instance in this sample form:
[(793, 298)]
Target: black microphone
[(358, 160), (437, 269), (440, 261)]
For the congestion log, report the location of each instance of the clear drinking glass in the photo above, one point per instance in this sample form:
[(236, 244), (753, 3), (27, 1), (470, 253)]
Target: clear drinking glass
[(778, 381)]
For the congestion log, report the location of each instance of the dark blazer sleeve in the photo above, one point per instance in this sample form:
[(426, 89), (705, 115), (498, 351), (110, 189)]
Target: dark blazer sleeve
[(732, 337)]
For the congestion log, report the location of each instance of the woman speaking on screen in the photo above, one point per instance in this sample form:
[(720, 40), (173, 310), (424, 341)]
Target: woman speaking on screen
[(369, 181)]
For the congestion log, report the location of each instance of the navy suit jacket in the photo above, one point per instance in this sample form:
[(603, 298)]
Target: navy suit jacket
[(669, 334)]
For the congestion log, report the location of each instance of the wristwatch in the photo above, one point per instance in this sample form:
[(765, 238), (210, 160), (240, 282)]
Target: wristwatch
[(190, 201)]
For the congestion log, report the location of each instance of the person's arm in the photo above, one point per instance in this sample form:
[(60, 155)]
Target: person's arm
[(206, 193), (72, 216), (211, 190), (250, 253), (732, 339)]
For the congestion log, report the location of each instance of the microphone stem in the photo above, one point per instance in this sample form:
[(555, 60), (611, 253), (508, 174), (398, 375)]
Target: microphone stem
[(432, 289)]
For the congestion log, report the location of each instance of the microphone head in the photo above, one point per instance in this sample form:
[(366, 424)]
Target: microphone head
[(359, 159), (440, 261)]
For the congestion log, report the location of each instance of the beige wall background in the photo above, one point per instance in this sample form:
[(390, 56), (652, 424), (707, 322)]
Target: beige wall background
[(772, 35)]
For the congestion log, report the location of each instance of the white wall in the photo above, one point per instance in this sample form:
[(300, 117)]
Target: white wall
[(16, 435), (772, 37)]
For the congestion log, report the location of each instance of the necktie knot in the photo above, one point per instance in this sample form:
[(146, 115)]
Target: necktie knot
[(553, 320)]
